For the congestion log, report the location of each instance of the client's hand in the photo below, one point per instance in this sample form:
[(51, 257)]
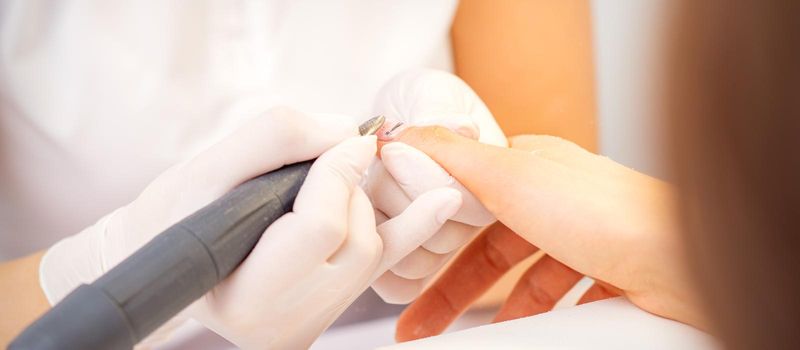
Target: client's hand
[(591, 215), (426, 97)]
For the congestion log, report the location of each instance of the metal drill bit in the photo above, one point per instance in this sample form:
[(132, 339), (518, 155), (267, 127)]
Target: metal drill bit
[(370, 127)]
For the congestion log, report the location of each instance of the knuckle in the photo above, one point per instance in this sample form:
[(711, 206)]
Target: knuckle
[(394, 297), (329, 231), (342, 169), (419, 264), (386, 293), (538, 294), (445, 297), (496, 257), (291, 125), (438, 246), (377, 244), (410, 273), (369, 249), (404, 269), (450, 237)]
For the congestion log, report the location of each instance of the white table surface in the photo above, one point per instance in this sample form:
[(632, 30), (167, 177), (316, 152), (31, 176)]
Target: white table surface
[(609, 324)]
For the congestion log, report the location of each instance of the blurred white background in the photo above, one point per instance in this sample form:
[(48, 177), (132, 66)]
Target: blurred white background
[(629, 56)]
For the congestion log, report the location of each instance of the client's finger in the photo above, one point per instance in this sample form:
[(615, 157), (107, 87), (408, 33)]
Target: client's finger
[(539, 289), (416, 173), (595, 293), (478, 267)]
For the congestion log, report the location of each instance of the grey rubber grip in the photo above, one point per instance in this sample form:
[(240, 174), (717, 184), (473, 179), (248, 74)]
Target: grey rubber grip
[(171, 271)]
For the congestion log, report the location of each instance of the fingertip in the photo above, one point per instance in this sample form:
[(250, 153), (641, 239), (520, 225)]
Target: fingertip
[(360, 150), (334, 175), (397, 155), (393, 289), (451, 201), (452, 236), (367, 141), (392, 149), (414, 324), (420, 263)]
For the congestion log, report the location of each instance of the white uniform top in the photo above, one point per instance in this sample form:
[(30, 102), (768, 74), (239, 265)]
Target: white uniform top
[(98, 97)]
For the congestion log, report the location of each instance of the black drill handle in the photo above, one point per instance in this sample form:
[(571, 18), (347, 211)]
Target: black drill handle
[(170, 272)]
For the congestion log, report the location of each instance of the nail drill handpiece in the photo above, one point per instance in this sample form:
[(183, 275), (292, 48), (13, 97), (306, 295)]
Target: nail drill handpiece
[(174, 269)]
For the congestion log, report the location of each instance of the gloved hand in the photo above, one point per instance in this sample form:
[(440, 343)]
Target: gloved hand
[(309, 265), (426, 97)]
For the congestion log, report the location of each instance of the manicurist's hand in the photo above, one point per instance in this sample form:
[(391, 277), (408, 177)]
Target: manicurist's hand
[(590, 215), (307, 267), (313, 262), (426, 97)]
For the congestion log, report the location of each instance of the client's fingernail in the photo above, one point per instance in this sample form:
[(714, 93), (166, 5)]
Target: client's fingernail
[(390, 130), (451, 208)]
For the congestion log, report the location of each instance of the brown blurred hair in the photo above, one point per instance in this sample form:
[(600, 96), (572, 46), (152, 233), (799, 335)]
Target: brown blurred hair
[(734, 103)]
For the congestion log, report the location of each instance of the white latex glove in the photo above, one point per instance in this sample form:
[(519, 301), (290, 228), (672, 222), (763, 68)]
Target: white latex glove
[(426, 97), (308, 266)]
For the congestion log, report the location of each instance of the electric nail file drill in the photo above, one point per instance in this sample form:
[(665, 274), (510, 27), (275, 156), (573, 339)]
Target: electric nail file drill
[(174, 269)]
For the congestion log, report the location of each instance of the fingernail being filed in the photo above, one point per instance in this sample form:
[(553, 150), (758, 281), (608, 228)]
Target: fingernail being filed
[(463, 126), (391, 129)]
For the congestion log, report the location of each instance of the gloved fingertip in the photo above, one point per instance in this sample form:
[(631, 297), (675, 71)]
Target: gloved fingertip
[(398, 158), (451, 203), (363, 148), (360, 144), (351, 157), (396, 150)]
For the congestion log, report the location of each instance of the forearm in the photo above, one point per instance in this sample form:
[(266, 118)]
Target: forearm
[(22, 299), (531, 62)]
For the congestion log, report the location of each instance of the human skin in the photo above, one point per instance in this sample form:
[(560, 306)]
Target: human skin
[(587, 212), (531, 63), (22, 299)]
